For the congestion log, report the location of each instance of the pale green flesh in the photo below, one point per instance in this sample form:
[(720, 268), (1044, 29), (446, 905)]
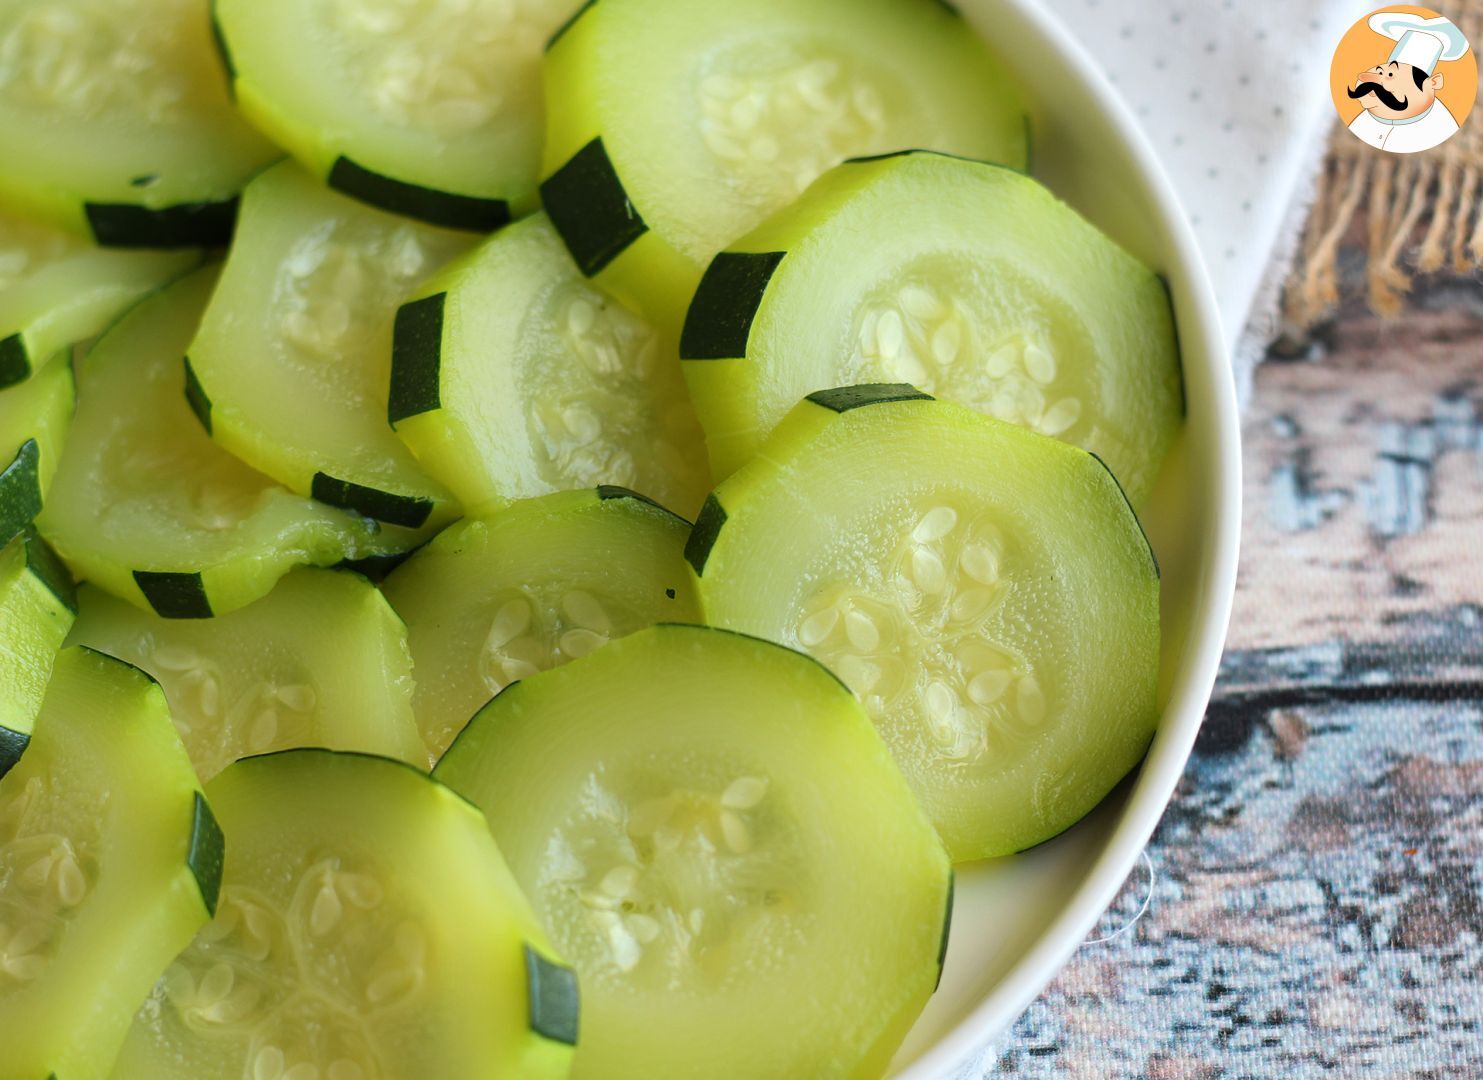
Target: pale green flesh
[(117, 101), (444, 95), (28, 247), (53, 300), (142, 487), (295, 349), (548, 385), (368, 929), (320, 661), (988, 595), (716, 117), (95, 892), (544, 581), (40, 408), (36, 622), (971, 283), (711, 833)]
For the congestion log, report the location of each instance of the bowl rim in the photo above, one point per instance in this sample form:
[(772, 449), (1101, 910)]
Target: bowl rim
[(1199, 319)]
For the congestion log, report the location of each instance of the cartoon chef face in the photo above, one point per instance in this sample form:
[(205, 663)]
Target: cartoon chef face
[(1404, 86), (1396, 91)]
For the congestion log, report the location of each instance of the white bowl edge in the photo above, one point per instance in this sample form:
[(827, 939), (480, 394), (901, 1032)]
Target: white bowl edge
[(1194, 522)]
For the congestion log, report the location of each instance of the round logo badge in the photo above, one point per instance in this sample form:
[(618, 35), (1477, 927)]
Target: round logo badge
[(1404, 79)]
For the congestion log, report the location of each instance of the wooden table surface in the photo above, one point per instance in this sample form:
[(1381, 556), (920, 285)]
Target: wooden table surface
[(1316, 907)]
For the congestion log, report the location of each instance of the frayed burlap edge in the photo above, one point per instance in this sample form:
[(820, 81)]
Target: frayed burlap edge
[(1423, 213)]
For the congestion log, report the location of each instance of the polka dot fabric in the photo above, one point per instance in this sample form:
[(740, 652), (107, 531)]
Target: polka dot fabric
[(1233, 95)]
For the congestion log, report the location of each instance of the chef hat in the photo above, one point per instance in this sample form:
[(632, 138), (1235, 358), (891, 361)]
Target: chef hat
[(1420, 42)]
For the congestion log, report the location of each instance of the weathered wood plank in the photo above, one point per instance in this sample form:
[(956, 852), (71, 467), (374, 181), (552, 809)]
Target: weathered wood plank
[(1318, 898), (1364, 490)]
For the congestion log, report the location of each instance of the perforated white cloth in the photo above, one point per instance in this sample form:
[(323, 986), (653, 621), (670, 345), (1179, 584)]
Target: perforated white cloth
[(1233, 95)]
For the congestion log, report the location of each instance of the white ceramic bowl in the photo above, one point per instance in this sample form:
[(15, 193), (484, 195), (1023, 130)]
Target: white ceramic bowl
[(1017, 920)]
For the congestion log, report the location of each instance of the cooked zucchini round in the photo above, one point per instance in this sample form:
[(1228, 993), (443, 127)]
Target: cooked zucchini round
[(147, 507), (37, 606), (368, 927), (118, 122), (110, 860), (544, 581), (511, 377), (970, 282), (320, 661), (433, 110), (675, 127), (56, 290), (721, 846), (35, 416), (291, 364), (986, 591)]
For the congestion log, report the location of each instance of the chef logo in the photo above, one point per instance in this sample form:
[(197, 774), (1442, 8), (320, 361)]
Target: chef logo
[(1404, 79)]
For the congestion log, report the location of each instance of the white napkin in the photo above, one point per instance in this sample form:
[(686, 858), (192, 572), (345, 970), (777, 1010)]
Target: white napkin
[(1234, 97)]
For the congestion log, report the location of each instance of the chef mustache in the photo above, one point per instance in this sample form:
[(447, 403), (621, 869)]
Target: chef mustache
[(1389, 100)]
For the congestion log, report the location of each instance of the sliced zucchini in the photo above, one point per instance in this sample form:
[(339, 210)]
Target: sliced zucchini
[(970, 282), (320, 661), (675, 127), (492, 600), (148, 508), (985, 590), (129, 137), (35, 416), (56, 290), (512, 377), (109, 862), (291, 365), (430, 110), (37, 606), (712, 834), (368, 927)]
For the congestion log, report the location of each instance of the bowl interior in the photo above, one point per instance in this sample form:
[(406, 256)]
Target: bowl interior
[(1017, 920)]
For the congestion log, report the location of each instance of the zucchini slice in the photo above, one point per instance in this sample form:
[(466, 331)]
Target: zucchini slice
[(37, 606), (320, 661), (110, 860), (972, 283), (129, 136), (429, 110), (492, 600), (712, 834), (985, 590), (147, 507), (56, 290), (291, 365), (675, 127), (35, 416), (368, 927), (511, 377)]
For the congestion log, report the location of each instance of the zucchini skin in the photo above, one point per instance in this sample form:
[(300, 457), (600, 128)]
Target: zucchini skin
[(20, 491), (174, 594), (720, 317), (417, 358), (594, 215), (15, 360), (445, 208), (184, 225)]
